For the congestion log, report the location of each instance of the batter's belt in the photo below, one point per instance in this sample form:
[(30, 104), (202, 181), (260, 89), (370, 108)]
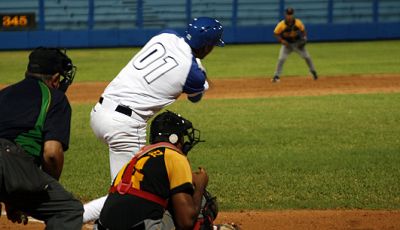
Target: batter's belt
[(111, 105)]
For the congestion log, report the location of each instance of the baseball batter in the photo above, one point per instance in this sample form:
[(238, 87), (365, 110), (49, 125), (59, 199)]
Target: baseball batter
[(292, 34), (167, 66)]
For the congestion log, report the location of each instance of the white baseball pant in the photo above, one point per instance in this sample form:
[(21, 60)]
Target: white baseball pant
[(125, 135)]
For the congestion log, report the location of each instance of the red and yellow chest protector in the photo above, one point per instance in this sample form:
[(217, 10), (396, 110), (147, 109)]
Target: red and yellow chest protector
[(155, 173)]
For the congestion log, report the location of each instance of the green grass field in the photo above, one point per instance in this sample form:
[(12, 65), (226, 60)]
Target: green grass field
[(232, 61), (276, 153), (325, 152)]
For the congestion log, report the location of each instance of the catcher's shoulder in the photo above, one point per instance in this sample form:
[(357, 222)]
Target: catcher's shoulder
[(298, 22), (281, 22)]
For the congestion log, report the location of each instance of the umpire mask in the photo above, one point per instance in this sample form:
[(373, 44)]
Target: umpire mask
[(49, 61)]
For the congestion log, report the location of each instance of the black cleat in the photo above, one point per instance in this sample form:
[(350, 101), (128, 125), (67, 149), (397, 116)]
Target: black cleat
[(275, 79), (314, 74)]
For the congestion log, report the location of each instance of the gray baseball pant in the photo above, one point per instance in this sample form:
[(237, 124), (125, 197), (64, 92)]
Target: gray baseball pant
[(286, 51)]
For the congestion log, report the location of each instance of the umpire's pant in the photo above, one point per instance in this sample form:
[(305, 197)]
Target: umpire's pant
[(28, 189)]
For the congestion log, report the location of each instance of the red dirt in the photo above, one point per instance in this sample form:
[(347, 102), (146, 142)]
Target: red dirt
[(285, 220), (262, 87)]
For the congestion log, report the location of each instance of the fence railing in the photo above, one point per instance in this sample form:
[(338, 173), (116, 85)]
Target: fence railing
[(113, 23), (138, 14)]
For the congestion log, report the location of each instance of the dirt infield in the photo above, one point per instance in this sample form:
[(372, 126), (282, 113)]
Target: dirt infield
[(285, 220), (262, 87)]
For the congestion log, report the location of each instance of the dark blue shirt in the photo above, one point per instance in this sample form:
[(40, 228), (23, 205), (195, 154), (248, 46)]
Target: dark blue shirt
[(20, 106)]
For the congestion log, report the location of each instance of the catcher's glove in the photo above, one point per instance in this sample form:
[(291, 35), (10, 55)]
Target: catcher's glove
[(301, 43), (210, 207), (208, 212)]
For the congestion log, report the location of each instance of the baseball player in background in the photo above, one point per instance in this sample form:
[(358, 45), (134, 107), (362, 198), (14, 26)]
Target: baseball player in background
[(167, 66), (293, 36)]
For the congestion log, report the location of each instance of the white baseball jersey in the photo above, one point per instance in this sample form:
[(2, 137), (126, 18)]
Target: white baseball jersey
[(157, 75)]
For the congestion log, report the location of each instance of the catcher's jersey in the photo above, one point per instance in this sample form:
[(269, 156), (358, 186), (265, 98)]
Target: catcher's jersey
[(161, 171), (290, 33), (157, 75)]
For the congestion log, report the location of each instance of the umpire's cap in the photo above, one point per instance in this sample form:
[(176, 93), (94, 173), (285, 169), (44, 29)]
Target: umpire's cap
[(45, 60), (50, 61), (204, 31)]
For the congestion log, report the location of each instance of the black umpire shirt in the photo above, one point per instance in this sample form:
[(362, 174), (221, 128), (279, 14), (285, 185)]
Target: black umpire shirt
[(20, 106)]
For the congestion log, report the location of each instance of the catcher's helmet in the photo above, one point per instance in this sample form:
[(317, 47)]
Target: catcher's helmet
[(204, 31), (49, 61), (171, 127)]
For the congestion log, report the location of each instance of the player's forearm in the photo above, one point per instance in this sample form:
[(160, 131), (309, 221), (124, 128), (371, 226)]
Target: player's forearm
[(53, 159), (304, 34), (197, 197), (281, 40), (185, 211), (278, 38), (200, 181), (53, 166)]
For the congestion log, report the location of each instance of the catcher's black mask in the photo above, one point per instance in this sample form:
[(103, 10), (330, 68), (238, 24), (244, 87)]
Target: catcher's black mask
[(49, 61), (172, 127)]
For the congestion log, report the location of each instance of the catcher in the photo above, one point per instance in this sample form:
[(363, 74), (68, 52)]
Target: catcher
[(293, 36), (159, 178)]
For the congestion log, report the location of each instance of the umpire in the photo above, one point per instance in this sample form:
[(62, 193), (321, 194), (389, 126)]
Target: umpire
[(35, 119)]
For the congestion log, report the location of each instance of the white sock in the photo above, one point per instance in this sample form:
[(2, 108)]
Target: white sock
[(93, 209)]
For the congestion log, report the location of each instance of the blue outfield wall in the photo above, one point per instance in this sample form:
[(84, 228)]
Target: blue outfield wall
[(238, 35)]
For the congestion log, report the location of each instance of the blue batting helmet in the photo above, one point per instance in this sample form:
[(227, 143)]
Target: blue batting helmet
[(204, 31)]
